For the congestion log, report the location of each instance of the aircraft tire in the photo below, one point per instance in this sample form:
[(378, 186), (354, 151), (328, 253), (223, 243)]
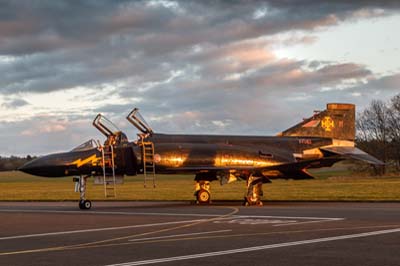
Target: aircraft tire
[(203, 196), (85, 204)]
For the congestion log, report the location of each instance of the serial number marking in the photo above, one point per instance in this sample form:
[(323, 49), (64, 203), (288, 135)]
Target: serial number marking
[(305, 141)]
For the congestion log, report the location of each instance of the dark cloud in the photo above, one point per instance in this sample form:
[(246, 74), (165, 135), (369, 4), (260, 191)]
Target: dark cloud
[(191, 66), (14, 103), (61, 44)]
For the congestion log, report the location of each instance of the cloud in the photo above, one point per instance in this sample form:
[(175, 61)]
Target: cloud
[(58, 46), (14, 103), (191, 66)]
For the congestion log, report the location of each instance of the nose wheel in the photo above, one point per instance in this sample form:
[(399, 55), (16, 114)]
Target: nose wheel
[(85, 204)]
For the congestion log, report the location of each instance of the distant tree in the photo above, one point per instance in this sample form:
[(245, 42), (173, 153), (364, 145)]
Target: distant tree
[(13, 162), (378, 131), (394, 130), (373, 130)]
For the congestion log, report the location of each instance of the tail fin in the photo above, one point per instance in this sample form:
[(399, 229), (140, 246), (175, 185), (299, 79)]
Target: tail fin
[(337, 122)]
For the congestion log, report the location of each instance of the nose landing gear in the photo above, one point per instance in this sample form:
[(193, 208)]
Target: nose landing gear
[(84, 204)]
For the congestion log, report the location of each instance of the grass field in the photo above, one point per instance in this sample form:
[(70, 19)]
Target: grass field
[(330, 185)]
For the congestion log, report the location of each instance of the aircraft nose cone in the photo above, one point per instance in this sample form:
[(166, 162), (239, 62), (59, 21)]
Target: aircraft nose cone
[(32, 167), (46, 166)]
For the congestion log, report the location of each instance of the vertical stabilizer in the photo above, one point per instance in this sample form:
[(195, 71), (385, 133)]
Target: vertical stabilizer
[(337, 122)]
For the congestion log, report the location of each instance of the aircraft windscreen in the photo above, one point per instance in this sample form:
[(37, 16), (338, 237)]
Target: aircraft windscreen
[(88, 145)]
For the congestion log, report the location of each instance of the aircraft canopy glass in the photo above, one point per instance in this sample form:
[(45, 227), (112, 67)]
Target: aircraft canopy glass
[(105, 126), (88, 145), (138, 121)]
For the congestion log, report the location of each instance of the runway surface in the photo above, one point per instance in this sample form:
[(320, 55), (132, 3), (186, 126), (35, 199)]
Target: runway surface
[(177, 233)]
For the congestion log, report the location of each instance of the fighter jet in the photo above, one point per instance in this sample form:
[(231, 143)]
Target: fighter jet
[(321, 140)]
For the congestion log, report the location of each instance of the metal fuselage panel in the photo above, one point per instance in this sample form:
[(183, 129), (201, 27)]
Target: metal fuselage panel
[(193, 153), (181, 153)]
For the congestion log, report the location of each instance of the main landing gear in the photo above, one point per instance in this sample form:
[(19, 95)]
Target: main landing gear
[(202, 192), (80, 181), (252, 197), (254, 190)]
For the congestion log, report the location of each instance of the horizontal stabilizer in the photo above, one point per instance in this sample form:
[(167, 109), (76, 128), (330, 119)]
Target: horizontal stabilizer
[(353, 153)]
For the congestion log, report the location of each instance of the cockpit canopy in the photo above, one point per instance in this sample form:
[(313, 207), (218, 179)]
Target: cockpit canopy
[(88, 145), (136, 119), (105, 126), (111, 131)]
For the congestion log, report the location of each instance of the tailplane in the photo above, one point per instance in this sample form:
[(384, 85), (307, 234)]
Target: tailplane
[(336, 122)]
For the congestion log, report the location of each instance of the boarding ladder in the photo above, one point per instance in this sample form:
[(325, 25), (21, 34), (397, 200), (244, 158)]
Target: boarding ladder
[(107, 153), (149, 169)]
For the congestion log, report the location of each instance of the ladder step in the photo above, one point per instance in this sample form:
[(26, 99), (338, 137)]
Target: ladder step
[(148, 162), (109, 172)]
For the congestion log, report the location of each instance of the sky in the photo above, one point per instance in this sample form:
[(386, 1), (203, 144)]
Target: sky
[(212, 67)]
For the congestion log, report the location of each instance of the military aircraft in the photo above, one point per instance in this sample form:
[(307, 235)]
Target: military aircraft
[(318, 141)]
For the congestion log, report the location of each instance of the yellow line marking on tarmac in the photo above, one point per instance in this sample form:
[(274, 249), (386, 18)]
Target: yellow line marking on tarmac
[(220, 220), (179, 235), (96, 229), (89, 212), (258, 248), (85, 245), (241, 235)]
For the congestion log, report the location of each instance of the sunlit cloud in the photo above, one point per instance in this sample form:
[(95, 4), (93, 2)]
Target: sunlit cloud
[(220, 67)]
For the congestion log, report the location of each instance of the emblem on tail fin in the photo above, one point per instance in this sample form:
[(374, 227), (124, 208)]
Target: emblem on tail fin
[(327, 123)]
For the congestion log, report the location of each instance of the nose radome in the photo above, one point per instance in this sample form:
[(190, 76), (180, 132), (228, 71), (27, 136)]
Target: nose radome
[(32, 167), (45, 166)]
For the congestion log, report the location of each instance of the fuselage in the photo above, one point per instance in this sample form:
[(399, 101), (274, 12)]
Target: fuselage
[(182, 153)]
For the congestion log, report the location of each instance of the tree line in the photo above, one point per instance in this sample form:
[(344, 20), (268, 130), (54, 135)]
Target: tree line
[(378, 132), (13, 162)]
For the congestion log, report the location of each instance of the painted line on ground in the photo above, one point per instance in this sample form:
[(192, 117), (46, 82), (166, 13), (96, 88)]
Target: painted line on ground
[(97, 229), (288, 217), (111, 212), (172, 236), (257, 248), (168, 214), (309, 222)]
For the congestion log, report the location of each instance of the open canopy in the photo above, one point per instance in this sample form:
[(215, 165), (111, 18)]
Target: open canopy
[(105, 126), (138, 121)]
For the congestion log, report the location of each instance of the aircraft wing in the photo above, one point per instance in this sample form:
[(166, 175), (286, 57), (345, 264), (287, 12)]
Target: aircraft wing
[(353, 153)]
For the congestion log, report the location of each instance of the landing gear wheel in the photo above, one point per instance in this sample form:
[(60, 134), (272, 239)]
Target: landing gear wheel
[(85, 204), (250, 201), (81, 206), (203, 196)]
